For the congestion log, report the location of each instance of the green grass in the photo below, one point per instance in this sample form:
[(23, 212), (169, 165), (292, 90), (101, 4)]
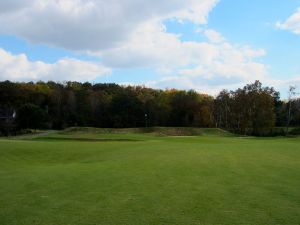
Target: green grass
[(129, 177)]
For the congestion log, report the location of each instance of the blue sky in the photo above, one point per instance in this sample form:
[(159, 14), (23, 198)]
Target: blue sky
[(206, 45)]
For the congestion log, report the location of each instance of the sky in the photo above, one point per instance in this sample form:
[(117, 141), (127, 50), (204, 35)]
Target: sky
[(205, 45)]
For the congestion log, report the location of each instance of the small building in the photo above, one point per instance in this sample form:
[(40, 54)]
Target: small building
[(7, 120)]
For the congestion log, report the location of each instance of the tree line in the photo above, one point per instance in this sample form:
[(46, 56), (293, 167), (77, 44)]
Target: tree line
[(253, 109)]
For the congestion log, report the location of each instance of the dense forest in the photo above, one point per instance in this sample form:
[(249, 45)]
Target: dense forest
[(253, 109)]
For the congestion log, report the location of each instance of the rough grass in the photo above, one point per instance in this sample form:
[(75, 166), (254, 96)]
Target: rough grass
[(159, 179)]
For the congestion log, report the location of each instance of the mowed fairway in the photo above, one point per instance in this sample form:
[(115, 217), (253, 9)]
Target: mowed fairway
[(137, 179)]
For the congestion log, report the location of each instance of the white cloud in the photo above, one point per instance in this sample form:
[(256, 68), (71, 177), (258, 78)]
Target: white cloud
[(92, 25), (197, 65), (213, 36), (13, 5), (19, 68), (214, 86), (284, 84), (292, 23), (127, 33), (151, 46)]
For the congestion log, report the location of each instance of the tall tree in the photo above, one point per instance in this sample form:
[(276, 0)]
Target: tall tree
[(291, 95)]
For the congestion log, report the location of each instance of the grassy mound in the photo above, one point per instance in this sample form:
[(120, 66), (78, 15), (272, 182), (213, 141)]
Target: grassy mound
[(159, 131), (57, 138)]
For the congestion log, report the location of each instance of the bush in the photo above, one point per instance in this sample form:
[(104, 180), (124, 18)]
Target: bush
[(295, 131)]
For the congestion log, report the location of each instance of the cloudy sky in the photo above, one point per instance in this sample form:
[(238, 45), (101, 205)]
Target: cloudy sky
[(206, 45)]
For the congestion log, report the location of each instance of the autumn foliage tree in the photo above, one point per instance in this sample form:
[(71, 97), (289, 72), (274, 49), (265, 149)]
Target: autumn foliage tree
[(253, 109), (248, 110)]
